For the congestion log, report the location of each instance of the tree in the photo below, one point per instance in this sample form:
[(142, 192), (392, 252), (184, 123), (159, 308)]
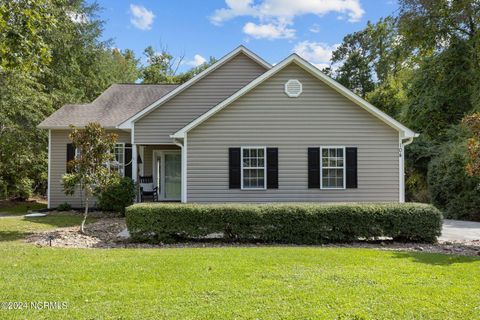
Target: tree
[(196, 70), (90, 169), (23, 153), (370, 56), (163, 68), (431, 26), (440, 94), (51, 53), (23, 25), (473, 123)]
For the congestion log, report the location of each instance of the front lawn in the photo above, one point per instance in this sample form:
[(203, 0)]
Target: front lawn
[(228, 283), (20, 207)]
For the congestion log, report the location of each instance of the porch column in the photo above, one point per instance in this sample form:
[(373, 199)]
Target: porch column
[(134, 162), (135, 168)]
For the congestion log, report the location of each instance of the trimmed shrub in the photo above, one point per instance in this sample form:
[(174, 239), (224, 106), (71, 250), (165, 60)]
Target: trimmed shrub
[(284, 223), (118, 195)]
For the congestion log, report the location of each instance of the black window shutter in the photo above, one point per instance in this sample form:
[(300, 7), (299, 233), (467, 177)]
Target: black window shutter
[(272, 168), (314, 167), (70, 156), (128, 160), (351, 163), (234, 175)]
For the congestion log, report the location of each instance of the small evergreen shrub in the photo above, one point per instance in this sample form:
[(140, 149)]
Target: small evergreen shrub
[(118, 195), (284, 223), (64, 207)]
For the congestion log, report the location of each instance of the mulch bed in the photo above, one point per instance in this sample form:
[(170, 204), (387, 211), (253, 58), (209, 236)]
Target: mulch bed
[(103, 233)]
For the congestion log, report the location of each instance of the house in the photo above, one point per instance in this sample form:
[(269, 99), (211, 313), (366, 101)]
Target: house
[(243, 131)]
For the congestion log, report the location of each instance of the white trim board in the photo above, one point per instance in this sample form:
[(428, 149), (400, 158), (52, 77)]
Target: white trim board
[(49, 169), (241, 49), (294, 58)]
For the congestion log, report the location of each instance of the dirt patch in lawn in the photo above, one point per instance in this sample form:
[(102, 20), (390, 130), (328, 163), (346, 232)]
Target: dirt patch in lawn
[(104, 233)]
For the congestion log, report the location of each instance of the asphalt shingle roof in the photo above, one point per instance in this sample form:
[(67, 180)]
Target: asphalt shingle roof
[(115, 105)]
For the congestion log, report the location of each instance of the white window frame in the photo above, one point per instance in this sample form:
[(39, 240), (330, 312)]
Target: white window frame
[(122, 144), (344, 168), (122, 171), (264, 167)]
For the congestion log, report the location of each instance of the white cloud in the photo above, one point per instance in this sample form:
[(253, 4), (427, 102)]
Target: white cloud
[(286, 10), (315, 28), (142, 18), (276, 17), (268, 31), (317, 53), (197, 60)]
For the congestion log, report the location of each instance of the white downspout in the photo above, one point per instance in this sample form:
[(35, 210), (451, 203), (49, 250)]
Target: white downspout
[(49, 168)]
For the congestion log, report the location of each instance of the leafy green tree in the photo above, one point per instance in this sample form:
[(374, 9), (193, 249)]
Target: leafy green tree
[(196, 70), (163, 68), (370, 56), (391, 95), (23, 152), (450, 187), (90, 171), (440, 94), (431, 26), (23, 25), (50, 54), (473, 145)]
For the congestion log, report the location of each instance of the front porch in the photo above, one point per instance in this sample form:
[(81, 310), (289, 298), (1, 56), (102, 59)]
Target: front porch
[(163, 163)]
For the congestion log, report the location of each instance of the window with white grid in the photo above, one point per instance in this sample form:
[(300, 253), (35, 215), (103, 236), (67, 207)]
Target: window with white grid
[(253, 168), (333, 168)]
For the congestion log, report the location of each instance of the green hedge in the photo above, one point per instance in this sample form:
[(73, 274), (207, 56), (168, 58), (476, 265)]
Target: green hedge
[(284, 223)]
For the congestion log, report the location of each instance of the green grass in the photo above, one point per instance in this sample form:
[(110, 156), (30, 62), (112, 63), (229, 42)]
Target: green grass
[(20, 208), (18, 227), (234, 283)]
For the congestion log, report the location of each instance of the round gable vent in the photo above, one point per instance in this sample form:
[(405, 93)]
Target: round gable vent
[(293, 88)]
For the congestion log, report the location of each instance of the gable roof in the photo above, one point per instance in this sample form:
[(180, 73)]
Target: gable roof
[(241, 49), (294, 58), (116, 104)]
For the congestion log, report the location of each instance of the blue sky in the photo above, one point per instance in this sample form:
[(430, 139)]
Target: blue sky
[(197, 29)]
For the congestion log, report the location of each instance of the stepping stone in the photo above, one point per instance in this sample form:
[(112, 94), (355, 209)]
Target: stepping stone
[(124, 234), (36, 215)]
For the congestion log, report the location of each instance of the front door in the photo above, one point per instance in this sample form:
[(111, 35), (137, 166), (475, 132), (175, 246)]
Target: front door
[(168, 174), (172, 176)]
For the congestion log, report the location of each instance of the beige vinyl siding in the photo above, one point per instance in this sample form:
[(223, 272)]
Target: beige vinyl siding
[(58, 162), (158, 125), (148, 156), (267, 117)]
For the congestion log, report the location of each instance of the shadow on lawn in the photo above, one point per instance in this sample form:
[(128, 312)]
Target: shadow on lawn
[(436, 259), (12, 235), (58, 221)]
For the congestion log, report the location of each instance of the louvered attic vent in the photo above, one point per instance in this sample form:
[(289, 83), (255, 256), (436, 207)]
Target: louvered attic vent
[(293, 88)]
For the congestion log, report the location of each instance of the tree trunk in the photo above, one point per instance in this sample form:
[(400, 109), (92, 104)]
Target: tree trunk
[(85, 214)]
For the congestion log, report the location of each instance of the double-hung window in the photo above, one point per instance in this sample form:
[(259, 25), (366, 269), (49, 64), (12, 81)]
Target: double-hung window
[(332, 167), (118, 162), (253, 167)]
